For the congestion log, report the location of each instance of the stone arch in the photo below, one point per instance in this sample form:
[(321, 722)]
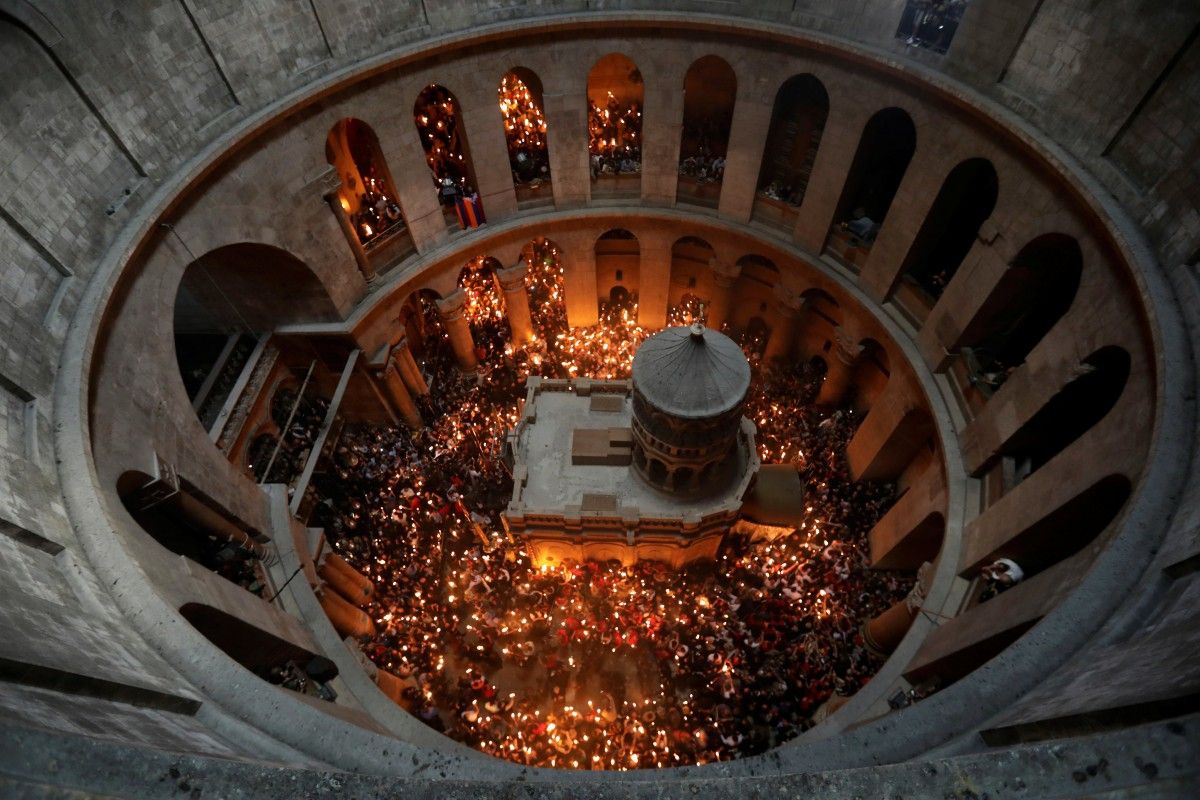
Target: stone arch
[(1070, 413), (615, 93), (885, 149), (226, 300), (522, 111), (1064, 530), (1034, 293), (753, 292), (618, 264), (368, 195), (256, 649), (797, 124), (484, 308), (709, 96), (966, 199), (690, 274), (871, 374), (421, 323), (443, 135), (171, 512)]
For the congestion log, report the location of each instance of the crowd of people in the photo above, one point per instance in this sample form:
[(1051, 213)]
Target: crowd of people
[(614, 137), (524, 132), (377, 212), (597, 665)]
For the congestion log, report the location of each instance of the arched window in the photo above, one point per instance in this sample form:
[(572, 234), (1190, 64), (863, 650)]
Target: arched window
[(797, 123), (965, 201), (618, 254), (691, 280), (709, 94), (1070, 414), (367, 199), (887, 145), (615, 95), (521, 109), (1032, 296), (443, 136)]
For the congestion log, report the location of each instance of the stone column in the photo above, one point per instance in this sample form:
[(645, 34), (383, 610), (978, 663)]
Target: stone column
[(516, 302), (787, 308), (410, 372), (883, 633), (360, 254), (725, 275), (839, 376), (393, 385), (835, 156), (451, 310), (413, 181)]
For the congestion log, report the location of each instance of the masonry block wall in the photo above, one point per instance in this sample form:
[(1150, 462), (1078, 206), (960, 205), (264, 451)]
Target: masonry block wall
[(103, 103)]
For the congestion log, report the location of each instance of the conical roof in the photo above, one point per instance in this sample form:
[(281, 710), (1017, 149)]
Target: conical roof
[(691, 372)]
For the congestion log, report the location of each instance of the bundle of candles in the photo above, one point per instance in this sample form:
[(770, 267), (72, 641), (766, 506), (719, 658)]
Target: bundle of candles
[(614, 130), (595, 665)]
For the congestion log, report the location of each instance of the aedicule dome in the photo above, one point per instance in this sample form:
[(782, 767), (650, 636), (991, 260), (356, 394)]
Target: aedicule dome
[(691, 372)]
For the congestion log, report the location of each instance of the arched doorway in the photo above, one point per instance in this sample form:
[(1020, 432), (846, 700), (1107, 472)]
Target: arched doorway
[(615, 94), (691, 280), (709, 95), (618, 267)]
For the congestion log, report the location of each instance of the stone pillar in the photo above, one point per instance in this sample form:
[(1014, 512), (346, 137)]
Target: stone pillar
[(910, 208), (895, 429), (451, 310), (654, 278), (835, 156), (662, 124), (747, 139), (883, 633), (481, 119), (412, 178), (579, 278), (410, 372), (360, 254), (787, 308), (567, 138), (840, 368), (725, 275), (393, 386), (516, 302)]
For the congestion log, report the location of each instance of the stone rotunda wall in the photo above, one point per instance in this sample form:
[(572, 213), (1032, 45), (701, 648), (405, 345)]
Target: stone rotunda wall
[(143, 138)]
